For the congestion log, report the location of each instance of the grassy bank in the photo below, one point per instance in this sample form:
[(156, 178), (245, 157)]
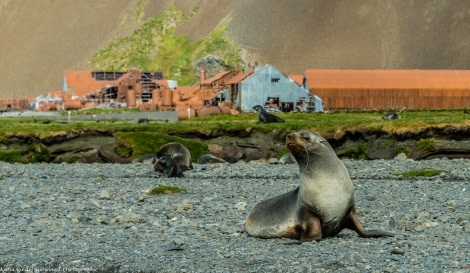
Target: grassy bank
[(134, 139), (323, 123)]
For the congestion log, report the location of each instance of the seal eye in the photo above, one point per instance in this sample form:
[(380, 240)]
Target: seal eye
[(306, 138)]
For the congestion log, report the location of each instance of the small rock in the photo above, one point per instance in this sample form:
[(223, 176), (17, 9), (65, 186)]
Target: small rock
[(104, 195), (130, 217), (273, 160), (25, 205), (287, 159), (400, 156), (178, 242), (241, 205), (174, 248), (186, 205), (398, 250), (7, 213)]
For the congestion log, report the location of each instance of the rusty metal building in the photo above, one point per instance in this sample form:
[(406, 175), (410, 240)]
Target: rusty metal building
[(375, 89)]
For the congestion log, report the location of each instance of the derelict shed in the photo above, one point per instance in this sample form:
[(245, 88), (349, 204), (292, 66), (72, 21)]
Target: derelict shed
[(267, 86), (375, 89)]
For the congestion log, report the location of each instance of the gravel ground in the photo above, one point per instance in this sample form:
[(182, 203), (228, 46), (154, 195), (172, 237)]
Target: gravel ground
[(99, 218)]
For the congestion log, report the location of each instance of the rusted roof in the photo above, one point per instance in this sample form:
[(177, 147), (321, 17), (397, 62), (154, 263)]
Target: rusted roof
[(162, 83), (240, 77), (218, 76), (298, 79), (186, 92), (208, 93), (83, 83), (388, 79)]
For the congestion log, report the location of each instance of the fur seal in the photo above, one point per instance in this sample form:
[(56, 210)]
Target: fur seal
[(265, 117), (169, 167), (209, 159), (320, 207), (178, 152), (393, 115)]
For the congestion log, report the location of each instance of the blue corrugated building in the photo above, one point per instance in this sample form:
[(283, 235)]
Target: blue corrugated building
[(274, 90)]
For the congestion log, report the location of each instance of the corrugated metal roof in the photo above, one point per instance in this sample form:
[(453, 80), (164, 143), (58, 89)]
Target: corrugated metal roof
[(388, 79), (218, 76), (83, 83), (240, 77), (298, 79)]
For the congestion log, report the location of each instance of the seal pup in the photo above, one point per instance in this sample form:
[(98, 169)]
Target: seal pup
[(265, 117), (393, 115), (320, 207), (178, 152), (169, 167)]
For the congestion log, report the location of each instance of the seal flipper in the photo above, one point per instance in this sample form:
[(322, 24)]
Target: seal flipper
[(352, 222), (313, 227)]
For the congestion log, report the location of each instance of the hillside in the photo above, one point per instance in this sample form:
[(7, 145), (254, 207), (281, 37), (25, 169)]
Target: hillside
[(41, 39)]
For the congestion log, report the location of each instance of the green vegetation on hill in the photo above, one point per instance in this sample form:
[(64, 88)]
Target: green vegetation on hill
[(154, 47)]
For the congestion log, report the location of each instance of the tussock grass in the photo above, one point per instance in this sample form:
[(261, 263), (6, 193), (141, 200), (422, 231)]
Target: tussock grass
[(427, 172), (166, 190)]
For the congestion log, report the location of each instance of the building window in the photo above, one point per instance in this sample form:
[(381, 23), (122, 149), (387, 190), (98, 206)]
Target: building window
[(275, 79), (130, 87)]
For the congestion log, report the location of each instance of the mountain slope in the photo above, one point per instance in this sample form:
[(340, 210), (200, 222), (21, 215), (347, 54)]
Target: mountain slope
[(41, 39)]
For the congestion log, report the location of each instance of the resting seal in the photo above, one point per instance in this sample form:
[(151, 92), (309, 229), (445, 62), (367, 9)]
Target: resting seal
[(393, 115), (169, 167), (178, 152), (320, 207), (265, 117)]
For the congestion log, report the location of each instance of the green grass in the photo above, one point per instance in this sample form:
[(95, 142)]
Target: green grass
[(327, 124), (357, 153), (426, 144), (166, 190), (32, 154), (403, 149), (427, 172)]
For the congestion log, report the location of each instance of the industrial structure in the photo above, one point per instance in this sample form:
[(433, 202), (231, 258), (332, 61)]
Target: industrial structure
[(379, 89), (226, 92), (238, 91)]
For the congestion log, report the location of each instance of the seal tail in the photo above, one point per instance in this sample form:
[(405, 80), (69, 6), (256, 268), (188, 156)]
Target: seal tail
[(354, 224)]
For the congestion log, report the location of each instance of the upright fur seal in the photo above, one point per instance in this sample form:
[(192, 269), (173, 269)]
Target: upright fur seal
[(320, 207), (265, 117)]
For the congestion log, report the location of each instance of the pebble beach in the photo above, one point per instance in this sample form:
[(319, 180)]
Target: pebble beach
[(101, 218)]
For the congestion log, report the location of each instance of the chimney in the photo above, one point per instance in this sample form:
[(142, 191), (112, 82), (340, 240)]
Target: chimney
[(202, 75)]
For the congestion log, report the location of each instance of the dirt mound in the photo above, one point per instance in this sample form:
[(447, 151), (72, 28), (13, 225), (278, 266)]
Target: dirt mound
[(41, 39)]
